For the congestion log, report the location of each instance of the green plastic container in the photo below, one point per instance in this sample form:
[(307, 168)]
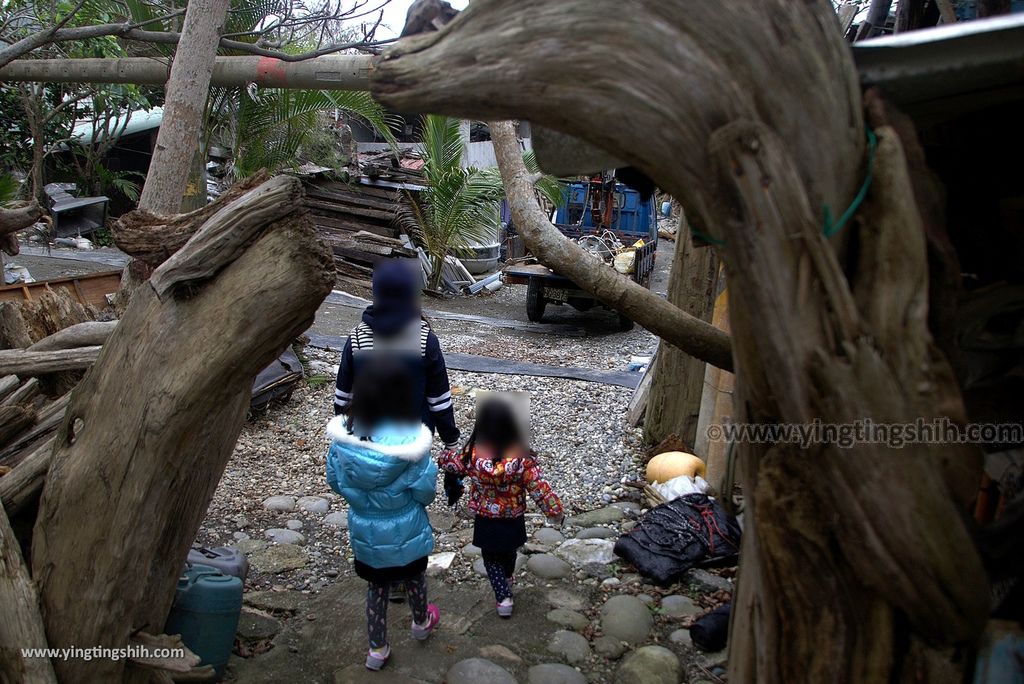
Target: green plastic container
[(206, 609)]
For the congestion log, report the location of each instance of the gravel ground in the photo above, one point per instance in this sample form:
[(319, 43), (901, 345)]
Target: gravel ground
[(585, 449)]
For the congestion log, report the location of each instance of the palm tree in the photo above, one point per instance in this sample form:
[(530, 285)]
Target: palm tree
[(460, 207), (272, 125)]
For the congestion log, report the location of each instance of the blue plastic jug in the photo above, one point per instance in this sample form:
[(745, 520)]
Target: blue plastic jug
[(206, 609)]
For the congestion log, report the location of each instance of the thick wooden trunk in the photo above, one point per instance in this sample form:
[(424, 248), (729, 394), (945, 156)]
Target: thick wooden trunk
[(849, 555), (678, 383), (20, 623), (150, 428)]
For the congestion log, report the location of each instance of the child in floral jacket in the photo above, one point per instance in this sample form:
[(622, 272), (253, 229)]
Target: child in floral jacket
[(502, 471)]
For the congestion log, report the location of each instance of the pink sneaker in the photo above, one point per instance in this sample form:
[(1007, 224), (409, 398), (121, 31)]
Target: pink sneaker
[(505, 608), (421, 632), (377, 658)]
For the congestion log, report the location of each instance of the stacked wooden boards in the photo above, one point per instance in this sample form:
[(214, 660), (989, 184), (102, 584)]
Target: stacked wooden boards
[(358, 222)]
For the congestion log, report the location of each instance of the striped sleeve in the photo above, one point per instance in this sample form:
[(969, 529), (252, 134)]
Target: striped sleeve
[(439, 393), (343, 387)]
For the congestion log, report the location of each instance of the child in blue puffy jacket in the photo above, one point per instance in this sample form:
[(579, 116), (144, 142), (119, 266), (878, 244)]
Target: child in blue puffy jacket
[(380, 462)]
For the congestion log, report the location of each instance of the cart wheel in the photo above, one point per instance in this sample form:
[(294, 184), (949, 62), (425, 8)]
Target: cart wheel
[(535, 300), (625, 323)]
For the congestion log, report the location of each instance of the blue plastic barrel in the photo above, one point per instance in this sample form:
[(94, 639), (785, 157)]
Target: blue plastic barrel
[(206, 609)]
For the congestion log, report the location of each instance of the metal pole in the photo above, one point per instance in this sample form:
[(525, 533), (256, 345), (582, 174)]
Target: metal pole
[(330, 72)]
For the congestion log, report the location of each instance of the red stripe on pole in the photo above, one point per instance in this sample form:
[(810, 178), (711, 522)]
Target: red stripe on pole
[(271, 72)]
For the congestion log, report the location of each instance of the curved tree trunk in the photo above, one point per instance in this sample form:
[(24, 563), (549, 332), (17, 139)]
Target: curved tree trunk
[(149, 430), (849, 554)]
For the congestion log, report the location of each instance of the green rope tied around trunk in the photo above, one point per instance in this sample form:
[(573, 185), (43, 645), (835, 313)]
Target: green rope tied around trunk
[(832, 227)]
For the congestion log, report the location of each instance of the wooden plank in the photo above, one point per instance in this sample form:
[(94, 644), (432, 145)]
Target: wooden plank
[(350, 225), (356, 211), (93, 288), (638, 402), (28, 363), (346, 199)]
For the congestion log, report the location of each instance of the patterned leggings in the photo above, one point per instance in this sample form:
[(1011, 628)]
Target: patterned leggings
[(500, 567), (377, 607)]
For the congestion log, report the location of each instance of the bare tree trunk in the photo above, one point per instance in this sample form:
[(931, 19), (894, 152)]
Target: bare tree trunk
[(844, 565), (674, 403), (184, 107), (179, 369)]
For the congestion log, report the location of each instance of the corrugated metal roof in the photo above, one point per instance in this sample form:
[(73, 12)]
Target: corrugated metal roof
[(138, 122)]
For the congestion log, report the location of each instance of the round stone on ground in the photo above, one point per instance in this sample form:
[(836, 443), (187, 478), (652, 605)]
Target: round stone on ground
[(649, 665), (597, 533), (549, 536), (568, 618), (251, 546), (282, 503), (563, 598), (294, 525), (647, 599), (609, 647), (314, 504), (471, 551), (253, 626), (626, 618), (477, 671), (681, 637), (282, 536), (628, 507), (570, 645), (602, 516), (239, 536), (554, 673), (678, 607), (278, 558), (546, 566), (587, 552), (337, 519)]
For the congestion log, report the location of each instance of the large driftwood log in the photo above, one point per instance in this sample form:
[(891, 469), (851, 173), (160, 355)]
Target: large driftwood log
[(149, 432), (28, 363), (152, 239), (13, 220), (23, 395), (21, 625), (849, 554), (88, 334), (14, 420), (47, 420), (20, 487)]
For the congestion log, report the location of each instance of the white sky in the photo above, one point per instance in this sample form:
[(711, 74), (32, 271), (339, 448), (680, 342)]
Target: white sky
[(394, 16)]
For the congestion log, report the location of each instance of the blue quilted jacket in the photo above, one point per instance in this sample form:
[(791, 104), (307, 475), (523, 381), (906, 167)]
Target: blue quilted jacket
[(388, 480)]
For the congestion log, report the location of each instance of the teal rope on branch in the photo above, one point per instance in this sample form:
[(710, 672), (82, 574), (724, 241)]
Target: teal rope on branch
[(832, 227)]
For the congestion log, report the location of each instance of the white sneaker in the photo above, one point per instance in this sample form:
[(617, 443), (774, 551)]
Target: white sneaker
[(505, 608)]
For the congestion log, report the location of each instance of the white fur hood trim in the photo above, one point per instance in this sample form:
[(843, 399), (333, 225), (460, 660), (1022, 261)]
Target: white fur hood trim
[(413, 451)]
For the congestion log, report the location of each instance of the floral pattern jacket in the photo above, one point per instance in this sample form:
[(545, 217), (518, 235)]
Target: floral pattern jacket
[(499, 487)]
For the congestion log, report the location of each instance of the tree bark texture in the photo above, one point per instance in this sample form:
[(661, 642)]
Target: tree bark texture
[(149, 431), (678, 384), (848, 554), (152, 239), (184, 107), (21, 625)]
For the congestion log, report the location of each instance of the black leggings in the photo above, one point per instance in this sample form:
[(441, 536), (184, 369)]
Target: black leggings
[(500, 566), (377, 607)]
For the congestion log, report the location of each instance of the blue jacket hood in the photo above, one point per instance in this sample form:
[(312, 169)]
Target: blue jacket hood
[(378, 461)]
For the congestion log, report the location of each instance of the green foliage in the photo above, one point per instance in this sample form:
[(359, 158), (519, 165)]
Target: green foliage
[(274, 124), (9, 188), (460, 207)]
